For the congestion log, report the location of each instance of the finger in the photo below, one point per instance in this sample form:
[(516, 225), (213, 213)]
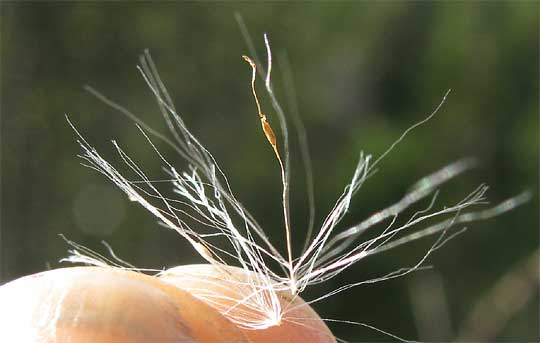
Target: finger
[(93, 304)]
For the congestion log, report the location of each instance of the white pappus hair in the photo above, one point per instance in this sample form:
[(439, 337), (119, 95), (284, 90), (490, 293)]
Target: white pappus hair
[(204, 195)]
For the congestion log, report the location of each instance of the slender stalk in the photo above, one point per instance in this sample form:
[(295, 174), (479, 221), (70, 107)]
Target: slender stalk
[(271, 137)]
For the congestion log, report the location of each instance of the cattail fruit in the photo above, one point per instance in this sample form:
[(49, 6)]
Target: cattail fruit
[(216, 302)]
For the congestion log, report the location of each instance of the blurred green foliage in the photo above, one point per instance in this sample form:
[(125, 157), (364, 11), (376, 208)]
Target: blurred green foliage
[(364, 72)]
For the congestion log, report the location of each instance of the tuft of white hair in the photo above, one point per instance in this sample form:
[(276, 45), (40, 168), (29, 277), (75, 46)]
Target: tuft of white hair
[(204, 195)]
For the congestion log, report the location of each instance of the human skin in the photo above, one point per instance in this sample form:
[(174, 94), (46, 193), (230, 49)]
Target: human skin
[(300, 323), (100, 304)]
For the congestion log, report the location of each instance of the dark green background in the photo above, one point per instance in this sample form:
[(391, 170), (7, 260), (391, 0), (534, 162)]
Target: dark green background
[(364, 72)]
